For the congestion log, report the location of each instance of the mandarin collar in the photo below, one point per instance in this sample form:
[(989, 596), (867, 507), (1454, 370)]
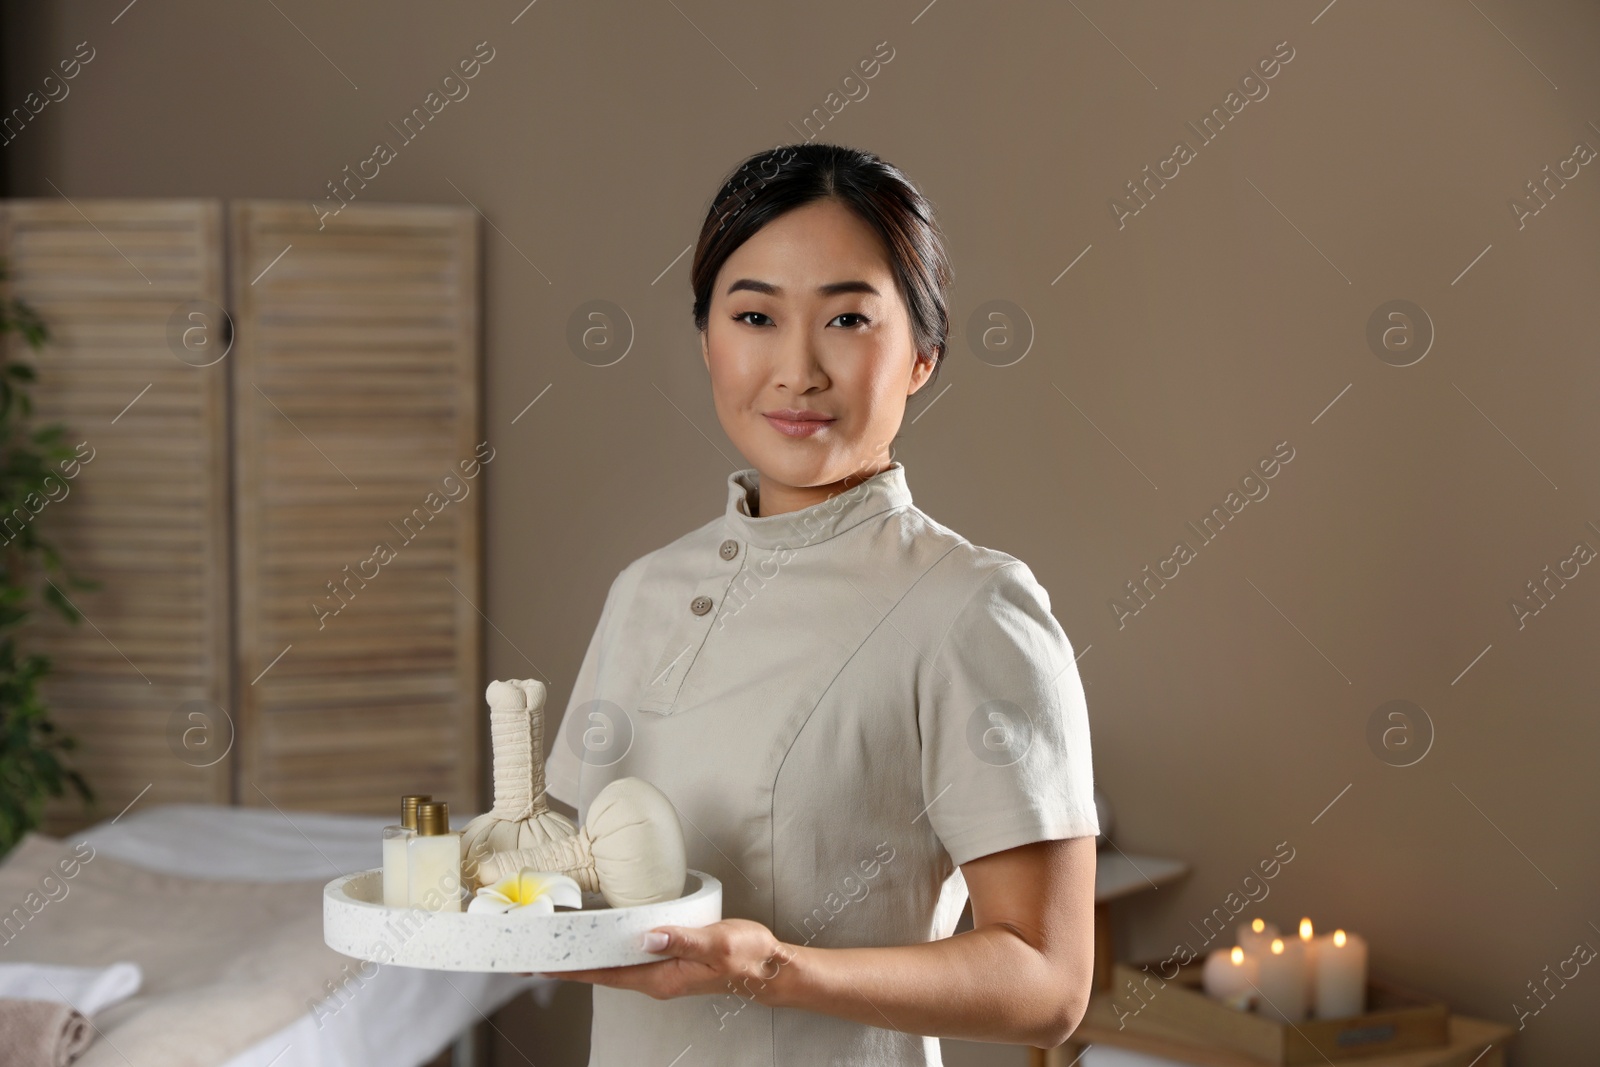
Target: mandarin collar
[(812, 525)]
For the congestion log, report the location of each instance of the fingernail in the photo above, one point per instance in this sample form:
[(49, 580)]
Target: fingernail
[(655, 941)]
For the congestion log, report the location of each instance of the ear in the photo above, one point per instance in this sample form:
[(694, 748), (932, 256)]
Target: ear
[(921, 371), (705, 349)]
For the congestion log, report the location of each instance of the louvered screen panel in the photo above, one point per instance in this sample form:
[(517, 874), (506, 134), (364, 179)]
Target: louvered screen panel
[(146, 517), (356, 396)]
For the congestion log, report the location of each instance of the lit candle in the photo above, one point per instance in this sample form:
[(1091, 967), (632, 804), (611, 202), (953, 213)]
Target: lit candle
[(1341, 976), (1282, 981), (1310, 942), (1228, 976), (1255, 936)]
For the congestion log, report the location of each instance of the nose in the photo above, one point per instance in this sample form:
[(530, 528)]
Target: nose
[(797, 363)]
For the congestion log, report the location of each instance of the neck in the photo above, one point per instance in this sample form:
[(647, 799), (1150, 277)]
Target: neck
[(777, 498)]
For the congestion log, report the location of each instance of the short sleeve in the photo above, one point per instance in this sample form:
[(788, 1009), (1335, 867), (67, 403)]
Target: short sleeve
[(561, 769), (1005, 727)]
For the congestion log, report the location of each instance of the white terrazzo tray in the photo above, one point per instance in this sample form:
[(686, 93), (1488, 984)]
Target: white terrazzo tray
[(356, 923)]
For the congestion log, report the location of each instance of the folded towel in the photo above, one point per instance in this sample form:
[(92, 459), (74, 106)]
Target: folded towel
[(88, 989), (42, 1033), (224, 963)]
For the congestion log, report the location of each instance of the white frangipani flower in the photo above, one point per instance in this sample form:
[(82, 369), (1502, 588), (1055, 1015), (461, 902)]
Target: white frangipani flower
[(539, 890)]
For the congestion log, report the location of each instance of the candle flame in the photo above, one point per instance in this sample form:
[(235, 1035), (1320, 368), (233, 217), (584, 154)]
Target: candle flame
[(1277, 946), (1257, 925), (1305, 929), (1237, 955), (1339, 938)]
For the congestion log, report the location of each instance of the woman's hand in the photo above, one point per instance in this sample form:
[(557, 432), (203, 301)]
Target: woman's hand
[(734, 955), (1021, 975)]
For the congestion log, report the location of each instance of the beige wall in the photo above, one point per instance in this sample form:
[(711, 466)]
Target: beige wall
[(1219, 321)]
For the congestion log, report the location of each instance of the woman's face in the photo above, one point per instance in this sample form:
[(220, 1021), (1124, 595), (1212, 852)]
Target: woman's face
[(805, 317)]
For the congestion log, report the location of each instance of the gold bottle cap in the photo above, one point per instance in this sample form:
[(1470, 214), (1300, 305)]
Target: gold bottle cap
[(408, 808), (433, 818)]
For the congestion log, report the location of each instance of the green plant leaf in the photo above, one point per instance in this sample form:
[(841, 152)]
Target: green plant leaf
[(32, 747)]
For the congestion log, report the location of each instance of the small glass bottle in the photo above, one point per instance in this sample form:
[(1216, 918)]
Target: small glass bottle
[(396, 886), (433, 860)]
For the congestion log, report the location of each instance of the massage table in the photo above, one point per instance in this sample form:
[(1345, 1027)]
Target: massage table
[(396, 1017)]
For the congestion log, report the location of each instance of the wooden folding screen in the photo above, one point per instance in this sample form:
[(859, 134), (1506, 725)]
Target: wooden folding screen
[(359, 468), (144, 682), (287, 535)]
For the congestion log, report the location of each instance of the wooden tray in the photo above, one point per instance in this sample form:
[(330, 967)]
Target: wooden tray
[(1178, 1009)]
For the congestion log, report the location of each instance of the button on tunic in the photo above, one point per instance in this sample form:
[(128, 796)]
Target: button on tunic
[(844, 703)]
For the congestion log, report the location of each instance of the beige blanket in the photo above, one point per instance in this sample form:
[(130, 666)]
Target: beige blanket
[(225, 963)]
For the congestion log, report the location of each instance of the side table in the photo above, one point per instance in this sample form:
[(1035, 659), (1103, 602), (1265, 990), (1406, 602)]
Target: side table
[(1473, 1043)]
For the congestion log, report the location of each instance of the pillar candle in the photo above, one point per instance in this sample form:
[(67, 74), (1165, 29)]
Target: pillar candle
[(1311, 942), (1283, 981), (1341, 976), (1230, 975), (1255, 936)]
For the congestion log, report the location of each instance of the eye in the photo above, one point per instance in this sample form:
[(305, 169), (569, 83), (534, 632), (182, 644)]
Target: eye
[(741, 318), (853, 315)]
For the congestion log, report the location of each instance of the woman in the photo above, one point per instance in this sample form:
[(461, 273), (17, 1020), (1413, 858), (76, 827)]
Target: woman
[(861, 716)]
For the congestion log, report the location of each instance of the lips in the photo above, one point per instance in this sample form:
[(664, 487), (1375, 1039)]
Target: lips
[(798, 423), (798, 415)]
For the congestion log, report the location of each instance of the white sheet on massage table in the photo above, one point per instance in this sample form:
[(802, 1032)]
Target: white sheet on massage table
[(401, 1016)]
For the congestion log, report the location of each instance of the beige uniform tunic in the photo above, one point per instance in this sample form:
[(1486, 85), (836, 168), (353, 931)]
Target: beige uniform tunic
[(844, 703)]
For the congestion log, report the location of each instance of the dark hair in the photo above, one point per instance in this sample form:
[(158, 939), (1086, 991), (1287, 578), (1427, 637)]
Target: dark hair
[(776, 181)]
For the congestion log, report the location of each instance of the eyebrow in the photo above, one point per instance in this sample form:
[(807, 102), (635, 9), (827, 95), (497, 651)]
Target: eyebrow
[(831, 289)]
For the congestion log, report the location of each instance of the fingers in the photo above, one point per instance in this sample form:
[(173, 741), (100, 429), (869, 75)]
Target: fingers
[(683, 942), (641, 977), (714, 945), (595, 976), (576, 976), (702, 959)]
